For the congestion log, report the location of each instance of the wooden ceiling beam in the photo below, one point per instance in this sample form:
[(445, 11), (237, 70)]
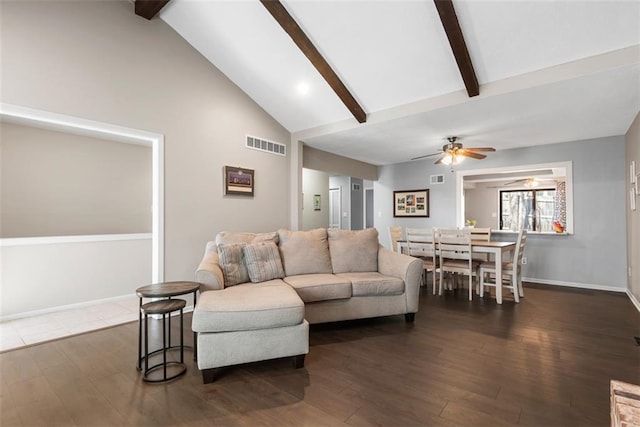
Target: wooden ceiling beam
[(291, 27), (149, 8), (458, 46)]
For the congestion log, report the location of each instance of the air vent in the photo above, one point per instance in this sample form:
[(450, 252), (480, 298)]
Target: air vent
[(437, 179), (264, 145)]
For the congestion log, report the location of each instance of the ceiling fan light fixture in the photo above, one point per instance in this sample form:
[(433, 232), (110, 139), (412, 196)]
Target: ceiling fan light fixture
[(452, 159), (531, 182)]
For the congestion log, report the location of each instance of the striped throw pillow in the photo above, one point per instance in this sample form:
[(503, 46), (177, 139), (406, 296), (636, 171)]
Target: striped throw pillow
[(232, 263), (263, 261)]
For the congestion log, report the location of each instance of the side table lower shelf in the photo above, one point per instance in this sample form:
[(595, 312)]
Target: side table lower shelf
[(163, 308)]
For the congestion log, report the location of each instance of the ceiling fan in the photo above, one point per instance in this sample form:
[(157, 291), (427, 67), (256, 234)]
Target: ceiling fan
[(454, 153)]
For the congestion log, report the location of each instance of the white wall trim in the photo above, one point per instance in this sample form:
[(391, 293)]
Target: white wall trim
[(76, 306), (49, 120), (575, 285), (52, 240), (633, 299)]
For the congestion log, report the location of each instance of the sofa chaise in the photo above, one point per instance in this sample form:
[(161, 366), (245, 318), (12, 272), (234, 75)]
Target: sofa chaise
[(260, 291)]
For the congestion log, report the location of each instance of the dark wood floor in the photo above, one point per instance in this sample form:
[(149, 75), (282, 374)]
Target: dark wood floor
[(544, 362)]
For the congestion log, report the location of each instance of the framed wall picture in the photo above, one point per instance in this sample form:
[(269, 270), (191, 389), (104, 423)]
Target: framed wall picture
[(238, 181), (411, 203), (316, 202)]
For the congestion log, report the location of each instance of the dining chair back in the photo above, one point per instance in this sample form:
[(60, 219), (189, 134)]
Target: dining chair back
[(482, 234), (421, 244), (454, 248), (511, 270), (395, 234)]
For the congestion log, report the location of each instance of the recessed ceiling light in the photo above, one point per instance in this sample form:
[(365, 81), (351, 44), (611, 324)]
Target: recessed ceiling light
[(302, 88)]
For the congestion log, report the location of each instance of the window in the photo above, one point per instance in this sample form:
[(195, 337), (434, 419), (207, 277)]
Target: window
[(531, 210)]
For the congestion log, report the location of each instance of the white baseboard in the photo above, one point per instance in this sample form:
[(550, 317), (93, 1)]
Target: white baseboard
[(575, 284), (632, 297), (75, 306), (634, 300)]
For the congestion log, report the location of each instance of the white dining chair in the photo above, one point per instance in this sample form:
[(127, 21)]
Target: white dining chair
[(454, 247), (511, 270), (421, 244), (481, 234), (395, 234)]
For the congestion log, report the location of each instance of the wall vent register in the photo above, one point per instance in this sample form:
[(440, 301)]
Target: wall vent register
[(437, 179), (266, 146)]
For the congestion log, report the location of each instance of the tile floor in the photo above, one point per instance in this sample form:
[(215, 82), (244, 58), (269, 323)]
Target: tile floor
[(31, 330)]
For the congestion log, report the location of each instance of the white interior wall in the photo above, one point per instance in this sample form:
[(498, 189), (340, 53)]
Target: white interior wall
[(56, 183), (315, 182), (64, 271), (99, 61), (482, 204)]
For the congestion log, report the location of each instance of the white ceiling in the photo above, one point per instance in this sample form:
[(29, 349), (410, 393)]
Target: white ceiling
[(549, 71)]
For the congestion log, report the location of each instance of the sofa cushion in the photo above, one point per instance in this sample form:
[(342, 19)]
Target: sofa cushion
[(271, 304), (320, 287), (232, 264), (304, 252), (225, 237), (353, 251), (263, 261), (373, 284)]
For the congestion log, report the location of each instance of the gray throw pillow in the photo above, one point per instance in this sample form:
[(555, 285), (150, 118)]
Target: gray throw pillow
[(353, 251), (232, 263), (263, 261)]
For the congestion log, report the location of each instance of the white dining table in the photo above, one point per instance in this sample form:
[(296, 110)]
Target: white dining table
[(498, 249)]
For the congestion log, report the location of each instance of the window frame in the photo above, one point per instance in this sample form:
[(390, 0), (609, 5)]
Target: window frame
[(524, 190)]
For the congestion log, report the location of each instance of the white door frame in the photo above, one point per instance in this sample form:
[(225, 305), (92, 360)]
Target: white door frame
[(332, 208)]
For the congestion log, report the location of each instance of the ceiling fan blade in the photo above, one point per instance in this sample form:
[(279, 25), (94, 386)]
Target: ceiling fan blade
[(480, 149), (426, 155), (439, 160), (515, 182), (467, 153)]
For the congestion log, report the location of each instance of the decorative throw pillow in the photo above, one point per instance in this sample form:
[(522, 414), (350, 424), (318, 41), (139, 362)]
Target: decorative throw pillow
[(232, 263), (263, 261), (353, 251), (304, 252)]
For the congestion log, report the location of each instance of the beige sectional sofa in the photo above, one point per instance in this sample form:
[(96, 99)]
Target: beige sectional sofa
[(261, 290)]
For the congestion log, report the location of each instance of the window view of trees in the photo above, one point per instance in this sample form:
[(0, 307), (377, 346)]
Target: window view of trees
[(532, 210)]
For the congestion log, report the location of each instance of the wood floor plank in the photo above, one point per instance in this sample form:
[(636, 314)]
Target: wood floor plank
[(546, 361)]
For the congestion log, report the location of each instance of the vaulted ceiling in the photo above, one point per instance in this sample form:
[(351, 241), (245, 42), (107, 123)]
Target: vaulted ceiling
[(548, 71)]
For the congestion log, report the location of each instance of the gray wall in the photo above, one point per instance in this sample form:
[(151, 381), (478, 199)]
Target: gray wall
[(99, 61), (328, 162), (595, 255), (56, 184)]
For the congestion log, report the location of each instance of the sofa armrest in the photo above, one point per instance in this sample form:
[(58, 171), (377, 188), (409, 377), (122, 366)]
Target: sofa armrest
[(209, 273), (405, 267)]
